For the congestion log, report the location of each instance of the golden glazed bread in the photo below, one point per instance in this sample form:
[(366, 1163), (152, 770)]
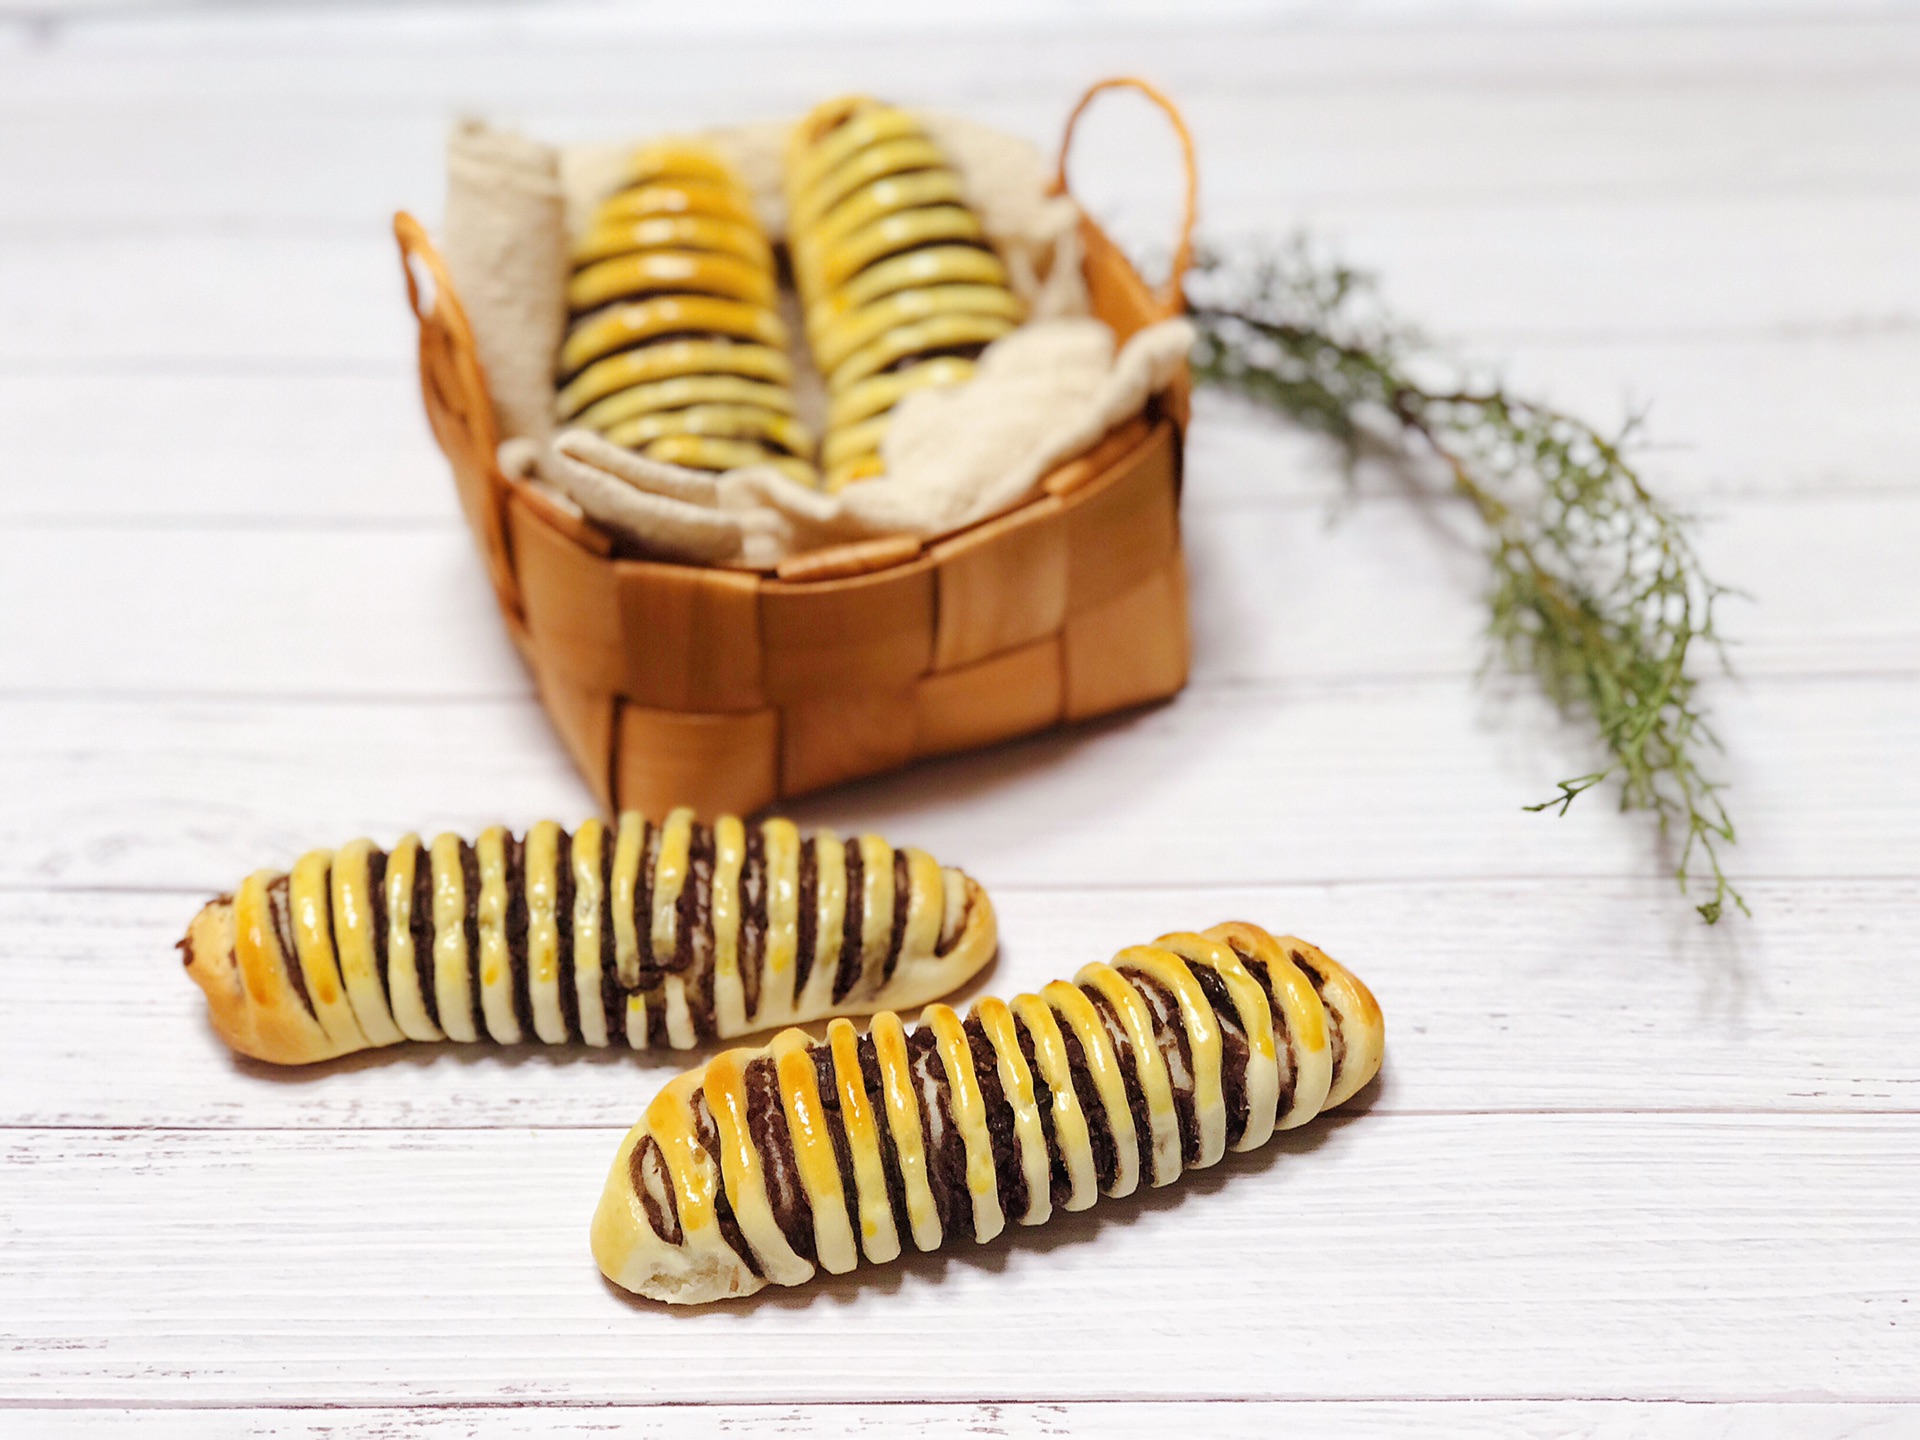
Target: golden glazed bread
[(676, 348), (899, 285), (769, 1165), (636, 934)]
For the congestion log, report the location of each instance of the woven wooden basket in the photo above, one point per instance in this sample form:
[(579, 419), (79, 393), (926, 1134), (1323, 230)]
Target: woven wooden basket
[(724, 689)]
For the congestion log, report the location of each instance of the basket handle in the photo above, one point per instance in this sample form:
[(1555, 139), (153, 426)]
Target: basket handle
[(1170, 296), (440, 311), (458, 405)]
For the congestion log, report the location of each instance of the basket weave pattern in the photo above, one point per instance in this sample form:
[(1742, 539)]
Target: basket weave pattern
[(721, 689)]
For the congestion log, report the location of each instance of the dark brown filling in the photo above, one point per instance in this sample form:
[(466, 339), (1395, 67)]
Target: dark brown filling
[(420, 927), (657, 1024), (809, 917), (1009, 1176), (377, 919), (1335, 1040), (1129, 1077), (1170, 1035), (708, 1134), (851, 924), (902, 897), (688, 908), (470, 873), (1106, 1152), (1059, 1187), (1282, 1035), (752, 944), (826, 1080), (563, 898), (612, 1004), (693, 932), (280, 912), (1234, 1052), (648, 1174), (946, 1151), (516, 926), (779, 1168), (650, 970), (883, 1125)]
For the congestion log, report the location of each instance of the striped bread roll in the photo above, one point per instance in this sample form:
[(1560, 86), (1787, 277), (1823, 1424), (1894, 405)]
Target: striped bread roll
[(900, 288), (769, 1165), (633, 934), (676, 348)]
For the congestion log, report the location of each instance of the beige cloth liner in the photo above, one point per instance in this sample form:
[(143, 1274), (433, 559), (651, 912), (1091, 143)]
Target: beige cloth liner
[(1040, 396), (506, 248)]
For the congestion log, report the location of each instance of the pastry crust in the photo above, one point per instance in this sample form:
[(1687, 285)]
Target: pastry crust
[(672, 360), (673, 232), (669, 272), (632, 934), (674, 281), (899, 285), (769, 1165), (619, 327)]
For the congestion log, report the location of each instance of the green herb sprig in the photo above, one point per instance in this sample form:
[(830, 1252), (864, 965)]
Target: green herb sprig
[(1595, 587)]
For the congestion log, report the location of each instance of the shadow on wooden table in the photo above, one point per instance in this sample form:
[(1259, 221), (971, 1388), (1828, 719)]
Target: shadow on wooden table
[(422, 1055)]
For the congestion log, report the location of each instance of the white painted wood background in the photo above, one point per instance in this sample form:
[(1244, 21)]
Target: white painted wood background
[(1621, 1176)]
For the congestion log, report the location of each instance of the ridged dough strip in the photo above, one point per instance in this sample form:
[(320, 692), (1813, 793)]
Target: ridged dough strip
[(634, 934), (900, 287), (676, 348), (769, 1165)]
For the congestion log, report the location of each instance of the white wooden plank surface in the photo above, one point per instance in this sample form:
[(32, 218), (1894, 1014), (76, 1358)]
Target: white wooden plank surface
[(1450, 140), (1226, 785), (1576, 1256), (1615, 1159), (220, 447), (309, 297), (1814, 1011), (1125, 1420), (1380, 589)]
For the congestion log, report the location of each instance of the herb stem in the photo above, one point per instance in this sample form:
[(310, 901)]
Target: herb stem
[(1595, 587)]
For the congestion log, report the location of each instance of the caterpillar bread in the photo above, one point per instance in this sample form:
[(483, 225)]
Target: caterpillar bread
[(900, 287), (676, 348), (769, 1165), (636, 934)]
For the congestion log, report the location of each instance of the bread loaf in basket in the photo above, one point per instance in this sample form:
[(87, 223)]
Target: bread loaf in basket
[(728, 688)]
